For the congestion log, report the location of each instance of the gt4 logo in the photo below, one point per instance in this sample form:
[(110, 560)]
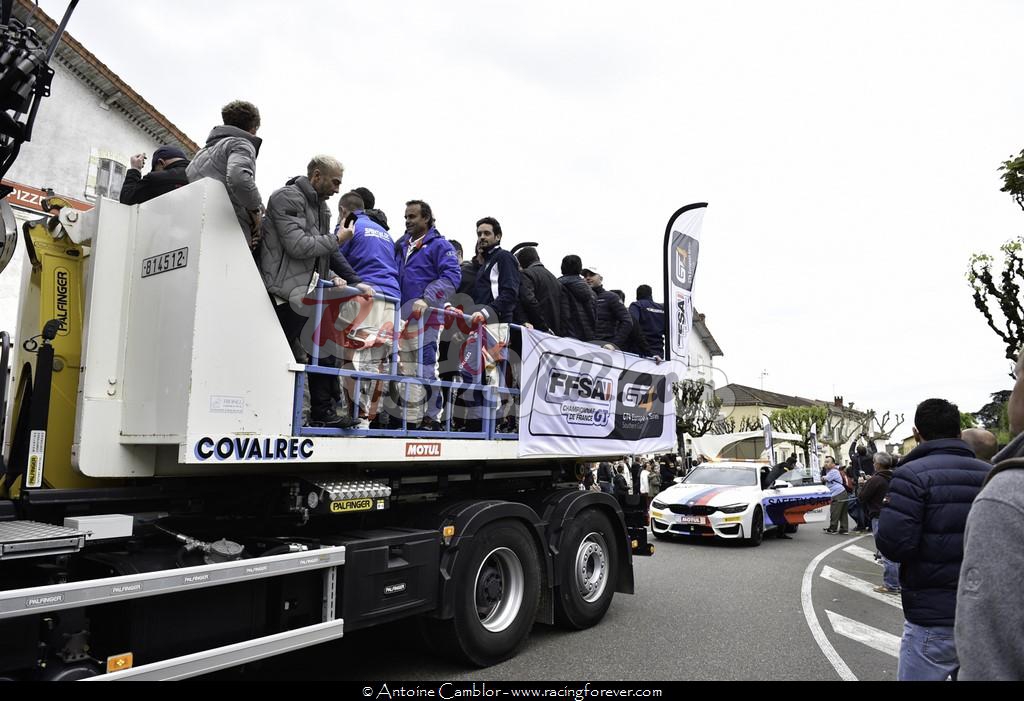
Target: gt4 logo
[(638, 395)]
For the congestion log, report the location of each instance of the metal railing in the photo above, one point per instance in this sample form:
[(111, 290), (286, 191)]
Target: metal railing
[(487, 396)]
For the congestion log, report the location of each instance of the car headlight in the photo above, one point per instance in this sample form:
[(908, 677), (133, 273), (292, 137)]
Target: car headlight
[(659, 504), (732, 508)]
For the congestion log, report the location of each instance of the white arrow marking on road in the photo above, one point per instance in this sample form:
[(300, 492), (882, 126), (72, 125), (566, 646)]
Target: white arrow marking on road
[(862, 553), (859, 585), (806, 583), (862, 633)]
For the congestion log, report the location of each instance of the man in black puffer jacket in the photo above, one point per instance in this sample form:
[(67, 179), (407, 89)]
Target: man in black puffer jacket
[(922, 528), (613, 320), (540, 295), (579, 304)]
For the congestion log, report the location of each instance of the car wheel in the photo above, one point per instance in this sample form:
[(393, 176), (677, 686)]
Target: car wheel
[(497, 592), (756, 528), (589, 569)]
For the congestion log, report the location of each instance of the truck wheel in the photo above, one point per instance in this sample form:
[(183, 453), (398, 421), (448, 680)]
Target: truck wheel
[(756, 528), (588, 567), (497, 592)]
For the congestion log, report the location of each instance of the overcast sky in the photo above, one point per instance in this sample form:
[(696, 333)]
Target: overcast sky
[(848, 151)]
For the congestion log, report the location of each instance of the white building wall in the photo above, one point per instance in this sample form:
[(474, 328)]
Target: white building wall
[(73, 123), (701, 362)]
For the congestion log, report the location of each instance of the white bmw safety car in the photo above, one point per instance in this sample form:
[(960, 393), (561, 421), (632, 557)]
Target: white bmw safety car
[(727, 499)]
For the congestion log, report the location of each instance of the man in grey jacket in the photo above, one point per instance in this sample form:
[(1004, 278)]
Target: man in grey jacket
[(990, 598), (230, 157), (297, 250)]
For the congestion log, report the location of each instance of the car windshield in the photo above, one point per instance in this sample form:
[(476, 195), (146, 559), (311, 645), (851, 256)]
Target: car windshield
[(732, 476), (797, 477)]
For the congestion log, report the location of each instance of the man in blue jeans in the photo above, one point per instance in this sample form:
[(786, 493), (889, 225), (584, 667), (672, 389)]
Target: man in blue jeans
[(922, 528)]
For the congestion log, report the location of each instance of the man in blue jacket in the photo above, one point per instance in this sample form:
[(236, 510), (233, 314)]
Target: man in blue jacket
[(371, 253), (428, 275), (650, 317), (922, 528)]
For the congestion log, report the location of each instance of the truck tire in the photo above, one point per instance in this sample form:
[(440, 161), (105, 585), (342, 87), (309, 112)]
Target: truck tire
[(497, 592), (588, 565)]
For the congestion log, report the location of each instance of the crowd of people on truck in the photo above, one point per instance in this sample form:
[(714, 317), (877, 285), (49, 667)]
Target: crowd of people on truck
[(295, 246), (948, 526)]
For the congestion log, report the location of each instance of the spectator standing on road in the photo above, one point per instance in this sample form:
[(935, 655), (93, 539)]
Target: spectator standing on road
[(872, 496), (990, 598), (922, 528), (838, 522), (653, 479), (230, 157), (167, 174), (982, 442), (604, 477)]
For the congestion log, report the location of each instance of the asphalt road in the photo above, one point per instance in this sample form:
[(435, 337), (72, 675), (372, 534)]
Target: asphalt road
[(704, 610)]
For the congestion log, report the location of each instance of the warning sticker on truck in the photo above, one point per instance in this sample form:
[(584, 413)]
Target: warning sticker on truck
[(36, 449)]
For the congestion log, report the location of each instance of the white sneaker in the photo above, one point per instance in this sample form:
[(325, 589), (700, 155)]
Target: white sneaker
[(364, 424)]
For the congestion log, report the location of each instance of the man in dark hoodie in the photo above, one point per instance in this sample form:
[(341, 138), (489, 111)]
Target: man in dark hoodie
[(230, 157), (613, 320), (167, 173), (990, 598), (578, 303), (922, 528)]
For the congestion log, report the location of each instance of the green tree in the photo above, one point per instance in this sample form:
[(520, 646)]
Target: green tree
[(993, 416), (997, 289), (798, 420), (967, 420)]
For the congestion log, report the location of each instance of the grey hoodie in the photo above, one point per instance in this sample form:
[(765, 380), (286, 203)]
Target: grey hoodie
[(990, 597), (230, 157)]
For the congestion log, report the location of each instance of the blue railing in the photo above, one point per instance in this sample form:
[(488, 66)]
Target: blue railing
[(487, 396)]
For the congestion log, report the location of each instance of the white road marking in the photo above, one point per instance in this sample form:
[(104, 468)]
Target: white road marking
[(862, 633), (842, 669), (862, 553), (861, 586)]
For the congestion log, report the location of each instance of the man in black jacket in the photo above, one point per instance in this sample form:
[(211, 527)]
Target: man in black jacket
[(167, 173), (578, 303), (613, 320), (922, 528), (540, 295)]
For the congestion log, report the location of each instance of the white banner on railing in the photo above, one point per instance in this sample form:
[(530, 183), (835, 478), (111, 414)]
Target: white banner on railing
[(579, 400)]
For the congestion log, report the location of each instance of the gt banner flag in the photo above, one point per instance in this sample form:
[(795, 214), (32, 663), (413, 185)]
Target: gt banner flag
[(769, 445), (813, 461), (682, 244), (579, 400)]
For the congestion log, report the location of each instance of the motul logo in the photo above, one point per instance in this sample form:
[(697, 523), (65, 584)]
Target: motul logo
[(422, 450)]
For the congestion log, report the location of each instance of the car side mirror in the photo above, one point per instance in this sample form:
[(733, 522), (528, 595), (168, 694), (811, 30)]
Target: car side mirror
[(779, 484)]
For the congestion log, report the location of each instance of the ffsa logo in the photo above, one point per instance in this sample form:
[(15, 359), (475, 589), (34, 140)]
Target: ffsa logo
[(567, 386), (638, 395)]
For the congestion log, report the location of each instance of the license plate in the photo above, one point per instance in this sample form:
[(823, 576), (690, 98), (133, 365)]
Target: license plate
[(698, 520)]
